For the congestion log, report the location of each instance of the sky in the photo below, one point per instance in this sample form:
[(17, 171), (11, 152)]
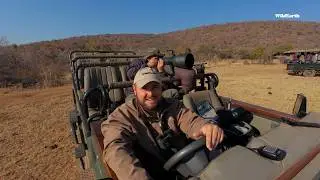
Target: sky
[(26, 21)]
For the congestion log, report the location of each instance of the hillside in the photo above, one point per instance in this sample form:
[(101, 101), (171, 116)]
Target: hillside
[(242, 35), (232, 40), (248, 35)]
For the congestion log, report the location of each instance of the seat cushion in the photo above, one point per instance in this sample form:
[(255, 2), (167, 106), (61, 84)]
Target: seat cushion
[(240, 163), (296, 141)]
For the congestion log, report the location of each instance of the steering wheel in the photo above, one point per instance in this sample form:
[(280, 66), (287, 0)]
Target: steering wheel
[(183, 153)]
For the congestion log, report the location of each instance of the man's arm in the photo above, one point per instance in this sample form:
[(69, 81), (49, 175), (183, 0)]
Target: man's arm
[(134, 67), (188, 121), (118, 149), (195, 126)]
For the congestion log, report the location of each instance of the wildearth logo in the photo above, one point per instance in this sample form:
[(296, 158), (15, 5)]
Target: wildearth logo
[(287, 16)]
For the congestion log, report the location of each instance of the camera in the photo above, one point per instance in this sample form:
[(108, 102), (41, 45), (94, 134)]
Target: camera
[(185, 61)]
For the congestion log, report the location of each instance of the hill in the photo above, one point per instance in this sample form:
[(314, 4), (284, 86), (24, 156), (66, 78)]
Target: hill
[(230, 40)]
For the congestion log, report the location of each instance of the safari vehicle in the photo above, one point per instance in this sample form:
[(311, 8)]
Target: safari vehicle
[(307, 66), (303, 69), (260, 143)]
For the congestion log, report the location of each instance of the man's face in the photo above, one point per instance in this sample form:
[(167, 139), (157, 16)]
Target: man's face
[(149, 95), (153, 61)]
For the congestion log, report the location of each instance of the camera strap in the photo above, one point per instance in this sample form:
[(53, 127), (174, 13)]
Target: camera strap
[(168, 142), (161, 140), (161, 147)]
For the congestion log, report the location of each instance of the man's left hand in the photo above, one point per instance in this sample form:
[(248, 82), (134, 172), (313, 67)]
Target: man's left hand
[(160, 65), (213, 133)]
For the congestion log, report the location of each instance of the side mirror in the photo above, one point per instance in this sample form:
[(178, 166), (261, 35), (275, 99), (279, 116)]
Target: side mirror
[(300, 106)]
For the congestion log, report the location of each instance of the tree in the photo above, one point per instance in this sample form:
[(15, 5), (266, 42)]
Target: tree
[(257, 53), (206, 52), (244, 54), (3, 41), (8, 62), (282, 48)]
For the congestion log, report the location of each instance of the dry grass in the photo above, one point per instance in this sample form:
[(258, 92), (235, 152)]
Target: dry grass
[(34, 134), (266, 85), (33, 122)]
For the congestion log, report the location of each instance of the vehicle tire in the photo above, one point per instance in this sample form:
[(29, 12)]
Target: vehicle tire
[(309, 73), (300, 73)]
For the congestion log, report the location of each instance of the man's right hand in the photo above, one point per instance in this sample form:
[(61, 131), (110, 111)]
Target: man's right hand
[(213, 134)]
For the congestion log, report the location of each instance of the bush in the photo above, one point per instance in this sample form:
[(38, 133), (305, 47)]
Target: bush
[(225, 54), (257, 53), (206, 52), (246, 62), (244, 54)]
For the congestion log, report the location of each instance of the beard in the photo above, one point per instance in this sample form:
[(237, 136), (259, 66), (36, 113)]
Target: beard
[(148, 104)]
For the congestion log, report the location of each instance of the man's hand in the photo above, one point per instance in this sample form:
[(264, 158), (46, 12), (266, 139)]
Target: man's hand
[(213, 133), (160, 65)]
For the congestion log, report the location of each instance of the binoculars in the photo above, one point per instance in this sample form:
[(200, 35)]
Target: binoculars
[(185, 61)]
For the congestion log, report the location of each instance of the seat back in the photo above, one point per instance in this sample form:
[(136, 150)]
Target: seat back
[(193, 100), (80, 71), (94, 76)]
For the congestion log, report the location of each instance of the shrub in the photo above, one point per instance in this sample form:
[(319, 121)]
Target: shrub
[(244, 54), (257, 53), (246, 62), (225, 54)]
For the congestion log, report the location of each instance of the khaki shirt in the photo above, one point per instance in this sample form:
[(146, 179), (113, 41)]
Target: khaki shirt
[(127, 125)]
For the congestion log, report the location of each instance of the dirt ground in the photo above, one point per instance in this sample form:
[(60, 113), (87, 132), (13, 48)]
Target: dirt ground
[(267, 85), (35, 142)]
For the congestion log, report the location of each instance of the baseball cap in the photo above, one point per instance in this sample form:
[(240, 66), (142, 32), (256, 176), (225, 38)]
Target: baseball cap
[(146, 75), (153, 52)]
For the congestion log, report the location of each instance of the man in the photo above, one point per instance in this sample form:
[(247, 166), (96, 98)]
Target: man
[(187, 78), (154, 60), (131, 147)]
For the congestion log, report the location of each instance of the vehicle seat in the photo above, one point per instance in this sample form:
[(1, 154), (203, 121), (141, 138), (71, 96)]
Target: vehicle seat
[(80, 72), (192, 100), (240, 163), (94, 76)]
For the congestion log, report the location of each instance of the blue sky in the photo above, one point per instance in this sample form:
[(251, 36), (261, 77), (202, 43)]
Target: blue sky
[(24, 21)]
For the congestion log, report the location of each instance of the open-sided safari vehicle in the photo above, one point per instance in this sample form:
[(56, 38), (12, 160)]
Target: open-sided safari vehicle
[(260, 143)]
